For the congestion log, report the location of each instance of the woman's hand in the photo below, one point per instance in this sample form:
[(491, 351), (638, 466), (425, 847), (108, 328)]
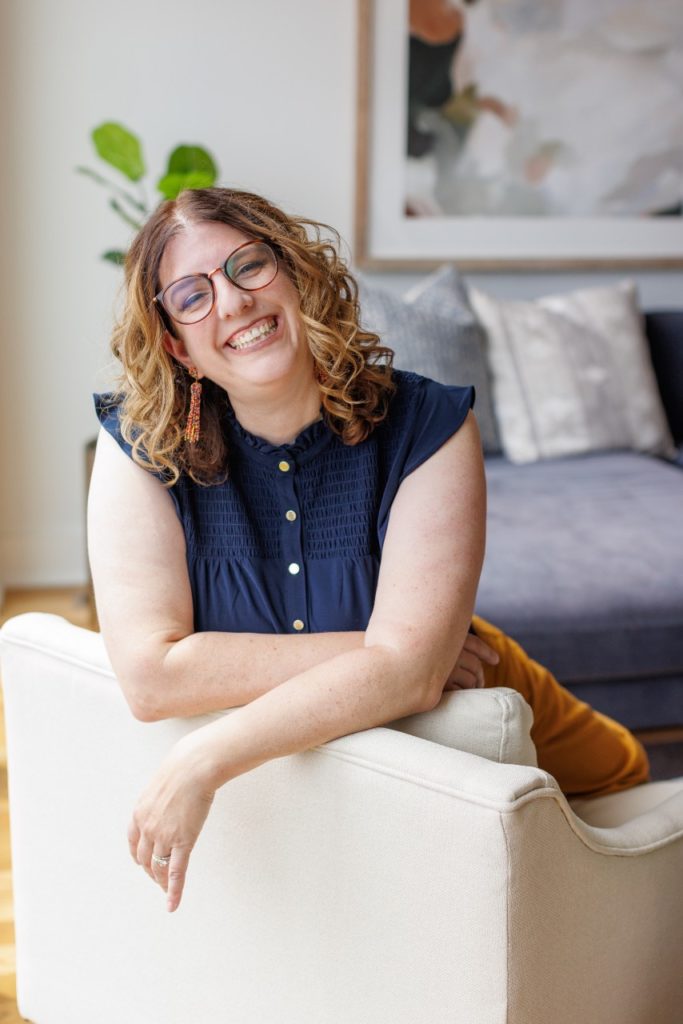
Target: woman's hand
[(468, 671), (169, 817)]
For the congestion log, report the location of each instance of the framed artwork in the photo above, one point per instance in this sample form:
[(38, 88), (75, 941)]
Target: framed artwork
[(513, 134)]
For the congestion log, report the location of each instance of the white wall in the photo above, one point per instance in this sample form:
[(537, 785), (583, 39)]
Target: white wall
[(268, 86)]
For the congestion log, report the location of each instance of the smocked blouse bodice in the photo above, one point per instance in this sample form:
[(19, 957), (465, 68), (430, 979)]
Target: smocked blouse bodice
[(291, 541)]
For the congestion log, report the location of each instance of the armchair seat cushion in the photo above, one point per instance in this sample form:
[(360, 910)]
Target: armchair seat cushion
[(584, 564), (617, 808)]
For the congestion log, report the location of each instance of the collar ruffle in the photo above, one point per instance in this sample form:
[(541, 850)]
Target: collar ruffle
[(302, 443)]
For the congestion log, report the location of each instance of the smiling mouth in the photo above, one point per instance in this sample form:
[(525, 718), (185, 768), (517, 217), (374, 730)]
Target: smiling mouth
[(253, 334)]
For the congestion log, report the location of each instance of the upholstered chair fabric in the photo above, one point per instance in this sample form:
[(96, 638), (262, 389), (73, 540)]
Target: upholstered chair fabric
[(381, 878)]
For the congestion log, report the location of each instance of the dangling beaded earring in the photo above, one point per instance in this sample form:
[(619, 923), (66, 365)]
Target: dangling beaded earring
[(192, 425)]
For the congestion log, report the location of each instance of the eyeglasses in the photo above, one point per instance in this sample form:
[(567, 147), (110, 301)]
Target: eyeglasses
[(251, 266)]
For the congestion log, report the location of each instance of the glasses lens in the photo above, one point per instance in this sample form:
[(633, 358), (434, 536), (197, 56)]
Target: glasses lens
[(189, 299), (252, 266)]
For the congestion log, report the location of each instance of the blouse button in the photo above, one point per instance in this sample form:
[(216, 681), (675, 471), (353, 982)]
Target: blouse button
[(290, 514), (283, 466), (298, 624), (294, 568)]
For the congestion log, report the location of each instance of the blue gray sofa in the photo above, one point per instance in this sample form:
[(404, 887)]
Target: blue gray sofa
[(584, 562)]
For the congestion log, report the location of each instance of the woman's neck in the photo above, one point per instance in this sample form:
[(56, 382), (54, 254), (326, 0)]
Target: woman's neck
[(281, 416)]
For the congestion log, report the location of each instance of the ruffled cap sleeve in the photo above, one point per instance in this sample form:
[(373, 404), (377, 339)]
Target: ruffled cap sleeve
[(424, 415), (108, 410)]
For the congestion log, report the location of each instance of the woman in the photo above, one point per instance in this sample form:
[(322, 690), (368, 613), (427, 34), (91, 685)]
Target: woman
[(295, 529)]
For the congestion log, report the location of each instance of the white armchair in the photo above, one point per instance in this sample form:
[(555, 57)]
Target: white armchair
[(383, 878)]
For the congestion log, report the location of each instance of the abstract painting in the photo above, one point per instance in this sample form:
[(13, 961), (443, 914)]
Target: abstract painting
[(527, 132)]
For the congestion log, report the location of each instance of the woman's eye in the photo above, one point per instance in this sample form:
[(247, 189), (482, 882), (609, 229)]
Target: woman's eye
[(192, 300), (247, 269), (187, 295)]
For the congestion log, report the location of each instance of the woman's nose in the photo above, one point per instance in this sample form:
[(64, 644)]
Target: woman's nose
[(230, 300)]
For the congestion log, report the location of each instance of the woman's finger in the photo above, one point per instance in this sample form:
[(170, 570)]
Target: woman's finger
[(133, 840), (481, 649), (467, 673), (160, 862), (177, 870), (471, 664), (144, 855)]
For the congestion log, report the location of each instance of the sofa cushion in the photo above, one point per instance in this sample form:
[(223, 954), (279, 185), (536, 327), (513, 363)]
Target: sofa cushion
[(584, 564), (492, 723), (572, 373), (648, 702), (445, 347)]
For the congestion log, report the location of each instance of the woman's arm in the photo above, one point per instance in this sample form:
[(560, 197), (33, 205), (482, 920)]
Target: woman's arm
[(431, 562), (144, 605), (430, 569)]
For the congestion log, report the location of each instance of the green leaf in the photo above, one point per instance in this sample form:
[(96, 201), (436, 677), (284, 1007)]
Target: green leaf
[(187, 159), (171, 185), (120, 148), (114, 256), (188, 167)]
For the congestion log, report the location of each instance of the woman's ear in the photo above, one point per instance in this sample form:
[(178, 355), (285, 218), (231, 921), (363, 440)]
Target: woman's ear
[(176, 348)]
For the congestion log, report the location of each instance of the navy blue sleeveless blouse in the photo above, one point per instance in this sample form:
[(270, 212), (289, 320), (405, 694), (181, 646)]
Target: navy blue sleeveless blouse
[(291, 541)]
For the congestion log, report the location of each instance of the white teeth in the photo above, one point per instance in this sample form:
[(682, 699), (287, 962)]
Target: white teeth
[(255, 334)]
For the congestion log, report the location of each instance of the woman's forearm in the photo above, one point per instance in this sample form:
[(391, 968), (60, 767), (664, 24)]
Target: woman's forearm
[(351, 692), (206, 672), (138, 558)]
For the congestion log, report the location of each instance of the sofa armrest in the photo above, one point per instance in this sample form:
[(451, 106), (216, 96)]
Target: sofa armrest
[(664, 330)]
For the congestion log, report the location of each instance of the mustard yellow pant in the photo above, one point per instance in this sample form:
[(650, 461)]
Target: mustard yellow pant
[(586, 752)]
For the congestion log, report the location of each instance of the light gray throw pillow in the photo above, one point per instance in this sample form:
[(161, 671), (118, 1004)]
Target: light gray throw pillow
[(572, 373), (436, 335)]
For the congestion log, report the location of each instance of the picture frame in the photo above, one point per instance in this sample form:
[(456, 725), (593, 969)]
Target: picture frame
[(387, 238)]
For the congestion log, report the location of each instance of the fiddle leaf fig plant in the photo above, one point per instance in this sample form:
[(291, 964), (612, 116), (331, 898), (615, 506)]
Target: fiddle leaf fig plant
[(120, 148), (188, 167)]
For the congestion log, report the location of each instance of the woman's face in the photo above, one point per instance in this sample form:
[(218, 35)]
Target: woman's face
[(249, 339)]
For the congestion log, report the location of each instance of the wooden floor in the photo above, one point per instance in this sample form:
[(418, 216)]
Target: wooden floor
[(73, 604)]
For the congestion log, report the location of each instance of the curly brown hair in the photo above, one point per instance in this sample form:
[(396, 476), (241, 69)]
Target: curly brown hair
[(352, 368)]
